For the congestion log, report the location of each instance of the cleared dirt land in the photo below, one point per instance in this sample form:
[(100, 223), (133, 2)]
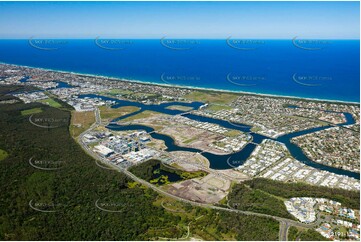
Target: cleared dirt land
[(209, 189)]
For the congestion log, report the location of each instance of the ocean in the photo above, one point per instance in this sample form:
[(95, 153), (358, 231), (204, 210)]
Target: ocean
[(323, 69)]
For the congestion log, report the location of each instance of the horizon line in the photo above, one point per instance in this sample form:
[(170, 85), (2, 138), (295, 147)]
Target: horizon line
[(170, 38)]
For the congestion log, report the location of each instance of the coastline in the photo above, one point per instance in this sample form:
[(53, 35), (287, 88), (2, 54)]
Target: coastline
[(190, 87)]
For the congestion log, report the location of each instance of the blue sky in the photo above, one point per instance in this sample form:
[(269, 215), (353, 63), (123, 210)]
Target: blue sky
[(273, 20)]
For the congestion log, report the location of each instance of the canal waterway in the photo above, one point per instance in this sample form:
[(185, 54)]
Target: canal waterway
[(220, 162)]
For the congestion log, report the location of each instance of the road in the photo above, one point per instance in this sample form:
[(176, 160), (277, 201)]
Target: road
[(98, 119), (283, 234)]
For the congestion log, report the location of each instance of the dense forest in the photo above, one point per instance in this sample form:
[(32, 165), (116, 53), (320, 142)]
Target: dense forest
[(64, 204), (349, 199), (222, 224), (295, 234), (245, 198), (145, 169)]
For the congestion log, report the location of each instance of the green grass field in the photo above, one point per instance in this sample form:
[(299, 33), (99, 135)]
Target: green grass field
[(233, 133), (211, 97), (80, 121), (190, 140), (145, 114), (179, 107), (111, 113), (31, 111), (51, 102)]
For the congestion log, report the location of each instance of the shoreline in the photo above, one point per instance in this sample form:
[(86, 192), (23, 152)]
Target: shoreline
[(189, 87)]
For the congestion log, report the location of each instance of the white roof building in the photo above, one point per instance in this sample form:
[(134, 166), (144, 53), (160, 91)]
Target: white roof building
[(103, 150)]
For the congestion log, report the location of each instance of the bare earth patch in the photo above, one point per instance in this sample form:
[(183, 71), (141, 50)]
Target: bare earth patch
[(209, 189)]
